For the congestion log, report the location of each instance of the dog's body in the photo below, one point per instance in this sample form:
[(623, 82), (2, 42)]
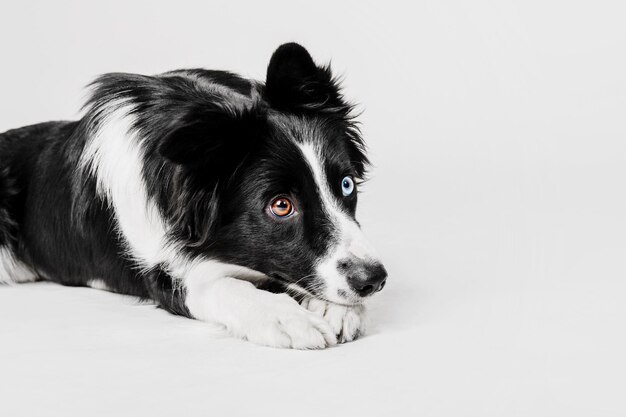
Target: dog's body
[(222, 199)]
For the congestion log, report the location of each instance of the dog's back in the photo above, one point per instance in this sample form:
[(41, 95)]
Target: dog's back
[(41, 236), (19, 151)]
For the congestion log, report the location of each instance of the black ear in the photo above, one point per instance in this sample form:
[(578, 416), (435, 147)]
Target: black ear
[(295, 82), (214, 137)]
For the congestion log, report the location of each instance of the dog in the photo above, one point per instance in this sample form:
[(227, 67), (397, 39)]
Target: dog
[(221, 198)]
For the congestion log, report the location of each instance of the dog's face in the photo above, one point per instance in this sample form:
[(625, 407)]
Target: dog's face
[(288, 168), (292, 212)]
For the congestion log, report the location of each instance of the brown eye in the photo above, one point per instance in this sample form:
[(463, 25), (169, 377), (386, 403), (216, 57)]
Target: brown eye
[(281, 207)]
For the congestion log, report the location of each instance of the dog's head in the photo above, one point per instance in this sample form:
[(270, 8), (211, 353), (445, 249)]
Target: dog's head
[(267, 177)]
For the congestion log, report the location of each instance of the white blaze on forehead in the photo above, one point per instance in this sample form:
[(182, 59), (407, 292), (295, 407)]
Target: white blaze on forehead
[(350, 241), (347, 230), (312, 156)]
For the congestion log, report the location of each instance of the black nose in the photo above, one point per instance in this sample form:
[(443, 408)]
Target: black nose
[(367, 279)]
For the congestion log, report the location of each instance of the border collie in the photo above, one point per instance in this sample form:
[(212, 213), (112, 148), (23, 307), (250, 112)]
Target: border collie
[(220, 198)]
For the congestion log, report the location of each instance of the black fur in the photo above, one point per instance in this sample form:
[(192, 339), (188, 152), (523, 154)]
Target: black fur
[(211, 164)]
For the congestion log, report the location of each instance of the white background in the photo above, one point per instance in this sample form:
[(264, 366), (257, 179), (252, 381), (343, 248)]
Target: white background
[(498, 202)]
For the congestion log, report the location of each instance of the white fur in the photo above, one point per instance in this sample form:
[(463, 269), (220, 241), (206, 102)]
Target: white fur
[(216, 292), (98, 284), (347, 322), (114, 156), (12, 270), (351, 241)]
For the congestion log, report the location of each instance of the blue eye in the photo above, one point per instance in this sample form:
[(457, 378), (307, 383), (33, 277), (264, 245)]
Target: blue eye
[(347, 186)]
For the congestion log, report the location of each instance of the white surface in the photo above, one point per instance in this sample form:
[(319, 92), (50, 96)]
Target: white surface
[(497, 202)]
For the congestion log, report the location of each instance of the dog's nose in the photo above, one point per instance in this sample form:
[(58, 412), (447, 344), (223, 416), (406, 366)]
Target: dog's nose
[(368, 280)]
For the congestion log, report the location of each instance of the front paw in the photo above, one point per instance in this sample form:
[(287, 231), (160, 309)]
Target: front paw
[(347, 322), (280, 322)]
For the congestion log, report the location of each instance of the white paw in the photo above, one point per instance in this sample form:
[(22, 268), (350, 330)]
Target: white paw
[(279, 321), (347, 322)]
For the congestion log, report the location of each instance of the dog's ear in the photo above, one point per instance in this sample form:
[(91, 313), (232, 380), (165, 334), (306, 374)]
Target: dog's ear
[(213, 136), (294, 82)]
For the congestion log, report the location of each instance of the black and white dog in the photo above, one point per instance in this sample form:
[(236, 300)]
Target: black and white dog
[(220, 198)]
